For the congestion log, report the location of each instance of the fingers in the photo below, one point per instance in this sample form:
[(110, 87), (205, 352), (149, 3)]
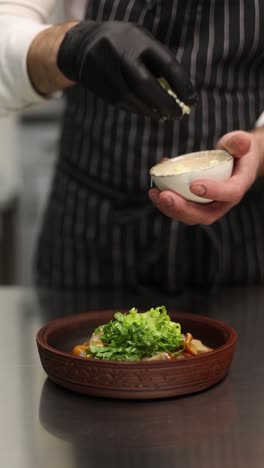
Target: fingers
[(146, 87), (219, 191), (117, 92), (133, 104), (236, 143), (225, 194), (122, 96), (176, 207), (233, 189), (241, 146), (162, 63)]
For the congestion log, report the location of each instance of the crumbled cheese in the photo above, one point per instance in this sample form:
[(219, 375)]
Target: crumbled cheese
[(165, 85)]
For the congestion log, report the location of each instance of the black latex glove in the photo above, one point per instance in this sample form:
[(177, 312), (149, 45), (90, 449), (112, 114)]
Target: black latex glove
[(120, 63)]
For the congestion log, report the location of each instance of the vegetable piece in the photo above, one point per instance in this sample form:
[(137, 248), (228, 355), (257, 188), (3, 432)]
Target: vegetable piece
[(189, 347), (96, 339), (79, 350), (201, 348), (162, 356), (137, 335)]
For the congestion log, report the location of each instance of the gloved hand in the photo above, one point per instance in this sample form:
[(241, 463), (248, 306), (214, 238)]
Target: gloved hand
[(120, 63)]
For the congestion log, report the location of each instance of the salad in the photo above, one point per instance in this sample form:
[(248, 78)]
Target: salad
[(136, 336)]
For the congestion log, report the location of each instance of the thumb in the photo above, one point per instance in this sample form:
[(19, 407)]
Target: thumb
[(236, 143)]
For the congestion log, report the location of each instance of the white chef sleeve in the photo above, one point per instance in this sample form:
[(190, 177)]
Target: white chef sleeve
[(20, 22)]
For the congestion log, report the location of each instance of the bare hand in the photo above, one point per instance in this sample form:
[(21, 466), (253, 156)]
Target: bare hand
[(248, 162)]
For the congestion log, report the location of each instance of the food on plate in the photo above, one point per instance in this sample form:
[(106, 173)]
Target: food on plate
[(140, 336)]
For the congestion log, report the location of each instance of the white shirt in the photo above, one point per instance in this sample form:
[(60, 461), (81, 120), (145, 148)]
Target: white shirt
[(20, 22)]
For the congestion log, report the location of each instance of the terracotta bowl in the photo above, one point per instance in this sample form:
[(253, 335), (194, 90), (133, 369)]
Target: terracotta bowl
[(134, 380)]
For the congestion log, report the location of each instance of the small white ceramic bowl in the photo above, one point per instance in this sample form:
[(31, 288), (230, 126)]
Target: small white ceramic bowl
[(178, 173)]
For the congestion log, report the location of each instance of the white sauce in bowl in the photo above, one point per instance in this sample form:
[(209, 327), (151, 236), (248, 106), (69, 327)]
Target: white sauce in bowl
[(190, 162)]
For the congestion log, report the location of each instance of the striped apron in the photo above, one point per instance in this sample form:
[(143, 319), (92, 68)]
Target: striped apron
[(100, 229)]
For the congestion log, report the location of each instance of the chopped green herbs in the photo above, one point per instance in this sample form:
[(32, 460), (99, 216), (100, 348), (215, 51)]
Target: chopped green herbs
[(136, 335)]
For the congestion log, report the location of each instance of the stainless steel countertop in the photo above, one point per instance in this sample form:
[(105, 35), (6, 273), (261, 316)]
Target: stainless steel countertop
[(43, 425)]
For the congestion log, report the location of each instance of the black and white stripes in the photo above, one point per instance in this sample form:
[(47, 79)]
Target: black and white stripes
[(100, 229)]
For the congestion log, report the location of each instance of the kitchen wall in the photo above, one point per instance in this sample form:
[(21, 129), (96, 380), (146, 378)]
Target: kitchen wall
[(37, 135)]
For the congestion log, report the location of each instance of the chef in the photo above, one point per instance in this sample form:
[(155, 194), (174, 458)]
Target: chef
[(100, 228)]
